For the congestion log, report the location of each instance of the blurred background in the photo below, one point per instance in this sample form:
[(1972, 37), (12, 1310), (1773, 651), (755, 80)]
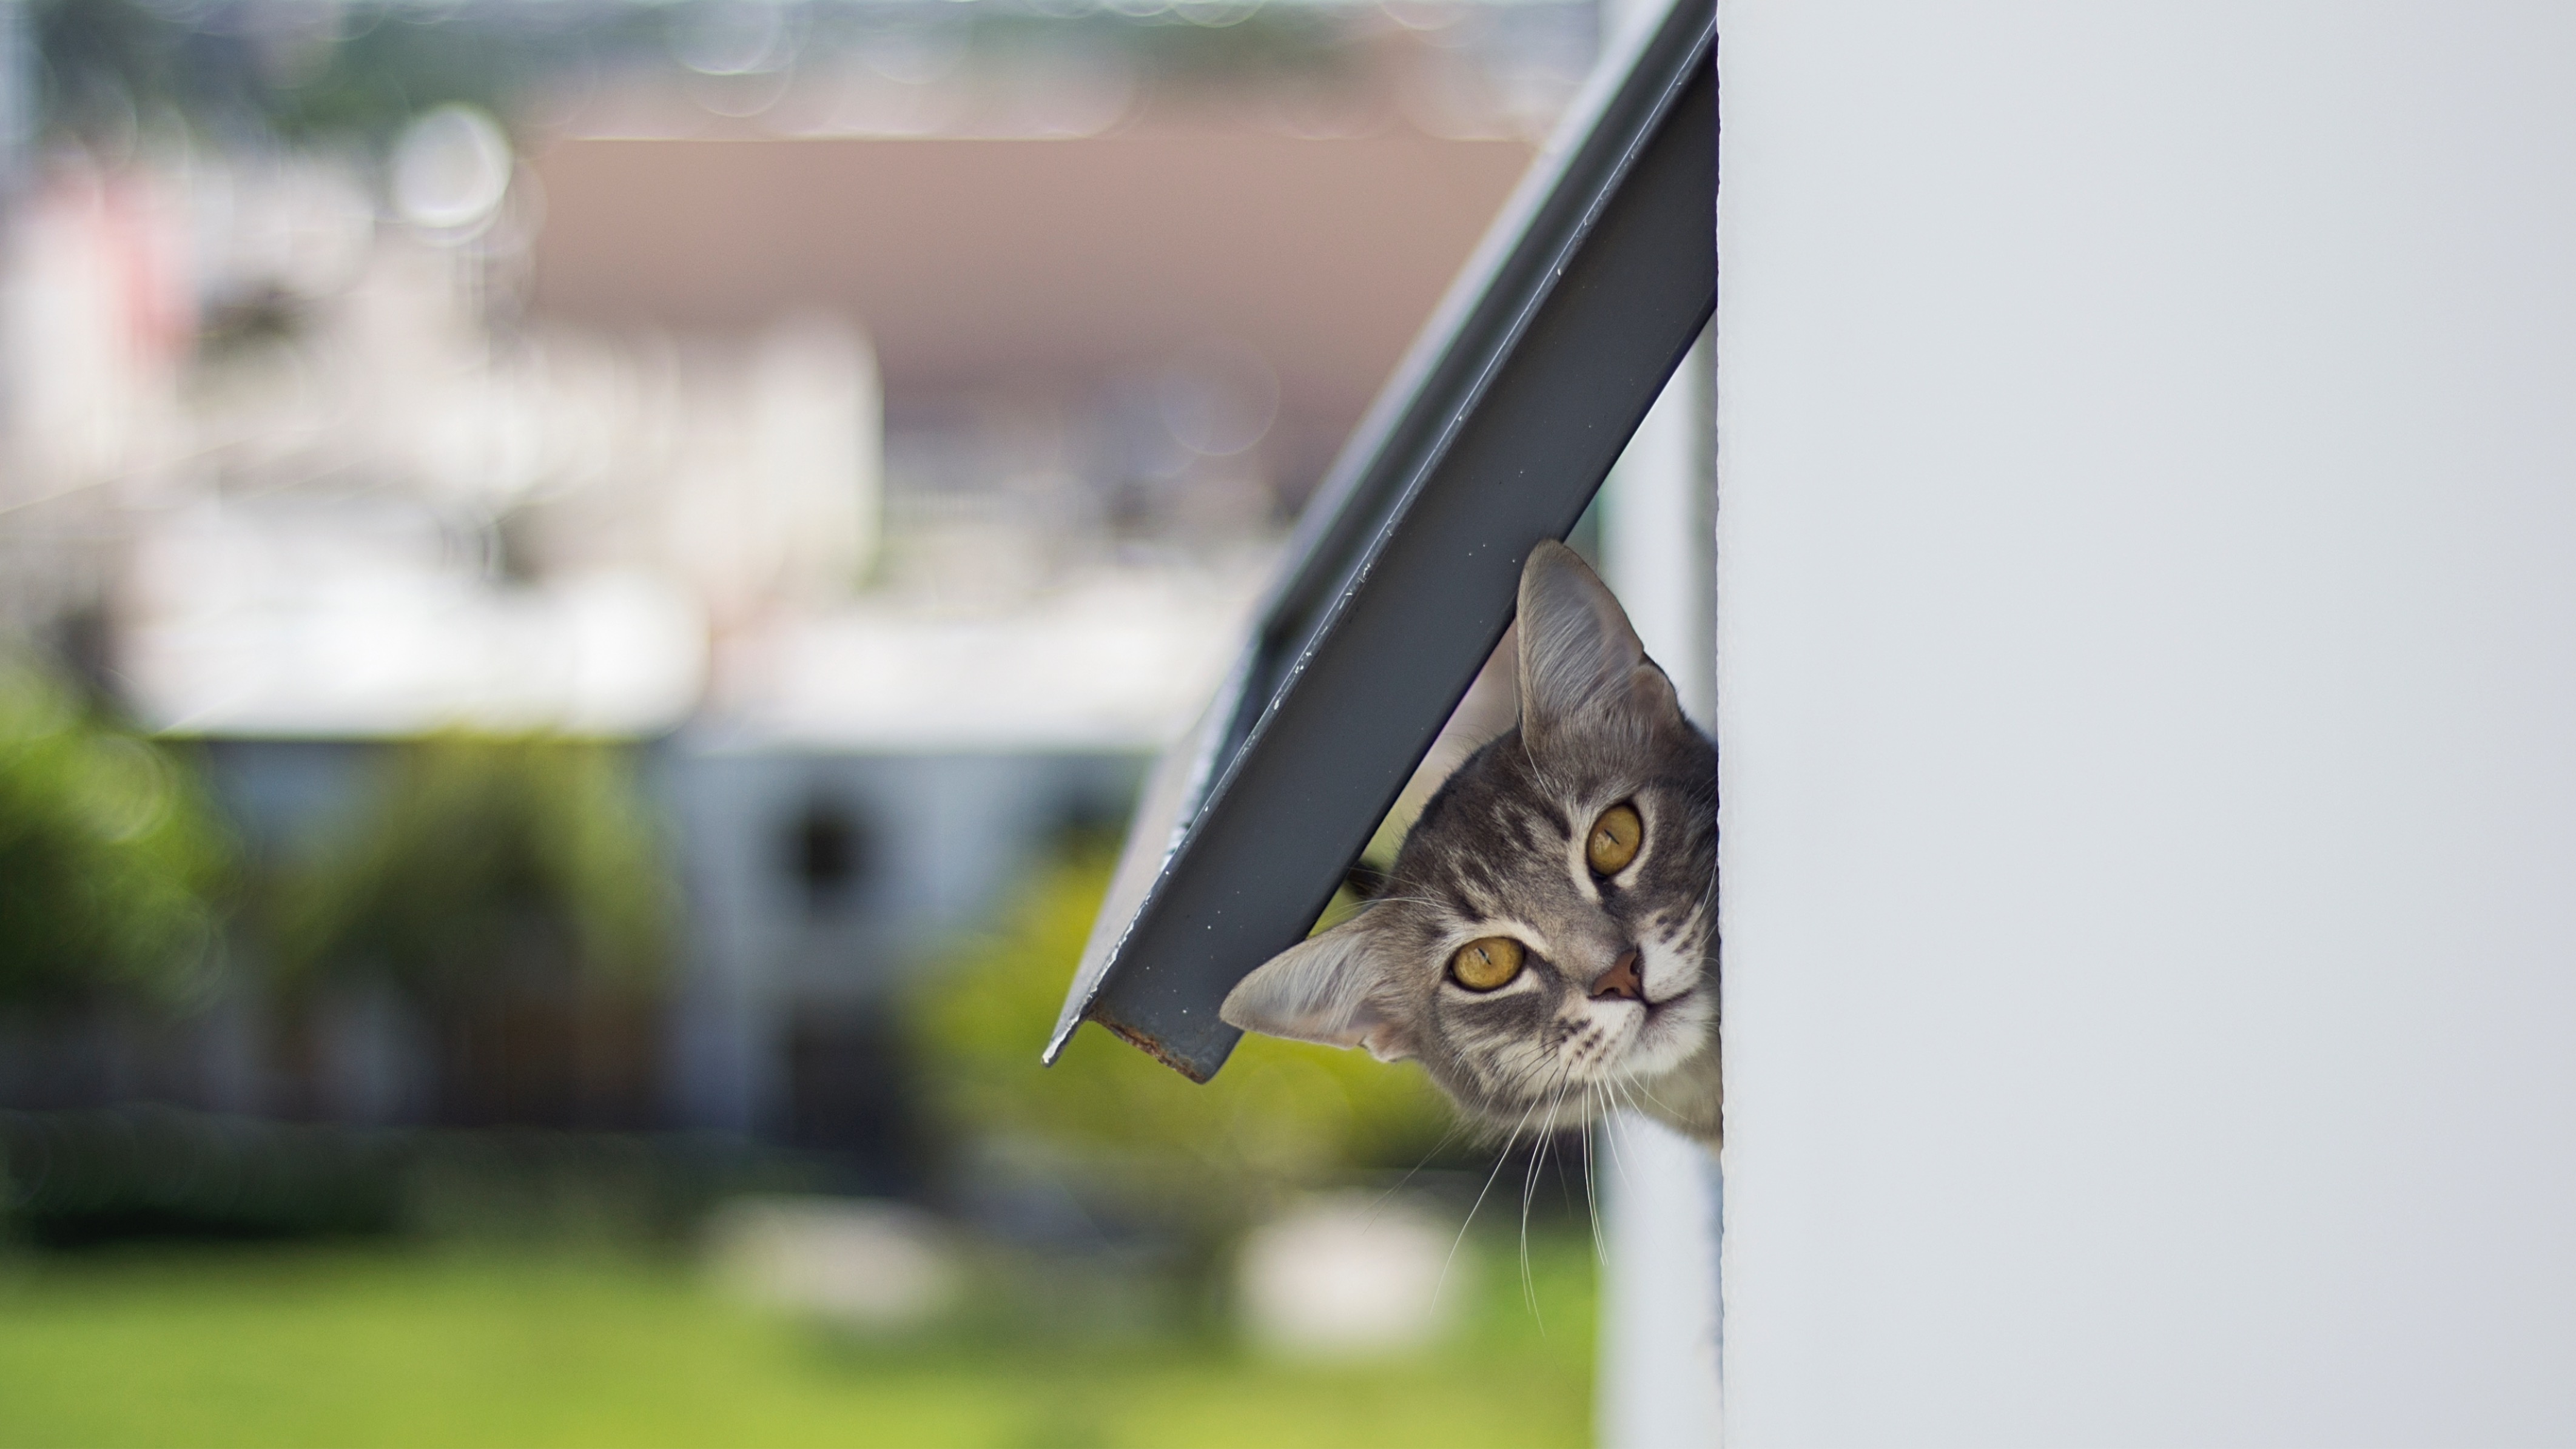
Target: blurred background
[(584, 588)]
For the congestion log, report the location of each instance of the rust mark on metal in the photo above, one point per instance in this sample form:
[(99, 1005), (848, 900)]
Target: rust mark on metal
[(1138, 1038)]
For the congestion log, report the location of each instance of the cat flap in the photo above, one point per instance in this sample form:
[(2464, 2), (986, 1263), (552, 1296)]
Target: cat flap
[(1494, 433)]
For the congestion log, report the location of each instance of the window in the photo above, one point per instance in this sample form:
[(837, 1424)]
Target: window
[(829, 853)]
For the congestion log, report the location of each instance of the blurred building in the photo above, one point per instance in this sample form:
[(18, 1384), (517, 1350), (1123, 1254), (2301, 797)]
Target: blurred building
[(889, 423)]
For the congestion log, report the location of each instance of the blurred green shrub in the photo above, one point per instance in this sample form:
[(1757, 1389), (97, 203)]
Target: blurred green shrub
[(139, 1172), (1281, 1113), (480, 857), (111, 864)]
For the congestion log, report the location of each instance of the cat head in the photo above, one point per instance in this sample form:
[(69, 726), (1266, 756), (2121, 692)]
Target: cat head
[(1547, 936)]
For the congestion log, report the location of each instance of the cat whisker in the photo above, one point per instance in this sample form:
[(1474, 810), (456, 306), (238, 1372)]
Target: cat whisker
[(1627, 1094), (1403, 900), (1501, 1157), (1612, 1130), (1529, 1185), (1591, 1197), (1451, 1134), (1529, 1190), (1388, 1196), (1649, 1094)]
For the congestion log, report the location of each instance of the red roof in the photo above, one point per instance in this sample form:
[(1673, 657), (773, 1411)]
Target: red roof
[(977, 264)]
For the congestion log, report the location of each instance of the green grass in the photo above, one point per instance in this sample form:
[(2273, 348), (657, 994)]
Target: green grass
[(353, 1348)]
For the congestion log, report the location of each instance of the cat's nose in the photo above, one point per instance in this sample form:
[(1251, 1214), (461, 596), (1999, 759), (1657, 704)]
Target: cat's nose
[(1621, 982)]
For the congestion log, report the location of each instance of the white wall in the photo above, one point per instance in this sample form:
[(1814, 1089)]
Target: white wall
[(1657, 1384), (2147, 638)]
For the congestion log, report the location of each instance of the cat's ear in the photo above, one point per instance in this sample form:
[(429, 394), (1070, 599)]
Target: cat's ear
[(1581, 663), (1318, 991)]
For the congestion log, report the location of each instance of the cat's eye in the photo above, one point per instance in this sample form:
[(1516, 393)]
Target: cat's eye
[(1615, 837), (1486, 965)]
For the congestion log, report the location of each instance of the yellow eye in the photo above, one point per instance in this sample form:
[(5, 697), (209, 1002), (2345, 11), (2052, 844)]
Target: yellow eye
[(1486, 965), (1614, 840)]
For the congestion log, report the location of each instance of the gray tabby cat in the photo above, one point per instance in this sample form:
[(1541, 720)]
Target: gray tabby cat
[(1547, 941)]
